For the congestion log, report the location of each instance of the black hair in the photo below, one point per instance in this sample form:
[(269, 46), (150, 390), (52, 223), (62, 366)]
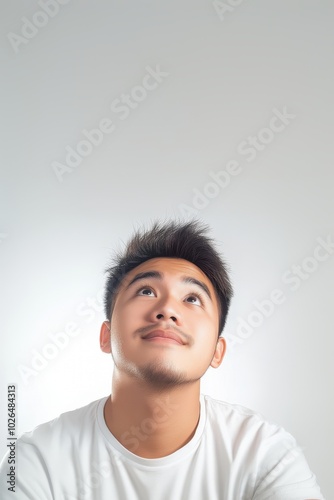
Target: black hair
[(182, 240)]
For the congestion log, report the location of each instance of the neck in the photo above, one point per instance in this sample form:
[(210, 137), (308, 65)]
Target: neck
[(150, 422)]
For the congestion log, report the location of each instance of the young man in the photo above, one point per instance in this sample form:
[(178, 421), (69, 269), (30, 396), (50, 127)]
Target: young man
[(156, 437)]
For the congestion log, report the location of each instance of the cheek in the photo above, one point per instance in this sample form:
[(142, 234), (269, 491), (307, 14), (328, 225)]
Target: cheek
[(204, 322), (125, 320), (206, 333), (119, 336)]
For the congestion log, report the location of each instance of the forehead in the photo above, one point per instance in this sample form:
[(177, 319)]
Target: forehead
[(170, 268)]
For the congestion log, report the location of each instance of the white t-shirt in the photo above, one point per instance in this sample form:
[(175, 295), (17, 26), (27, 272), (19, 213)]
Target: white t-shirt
[(235, 454)]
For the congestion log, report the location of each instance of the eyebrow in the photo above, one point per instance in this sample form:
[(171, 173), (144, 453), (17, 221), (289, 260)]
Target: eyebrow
[(159, 276)]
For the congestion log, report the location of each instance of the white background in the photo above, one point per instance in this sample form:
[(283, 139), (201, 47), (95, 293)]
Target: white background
[(227, 71)]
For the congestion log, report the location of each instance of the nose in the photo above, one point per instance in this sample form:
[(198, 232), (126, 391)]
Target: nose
[(167, 310), (161, 316)]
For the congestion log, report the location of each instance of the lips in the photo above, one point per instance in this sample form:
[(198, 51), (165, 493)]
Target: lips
[(163, 334)]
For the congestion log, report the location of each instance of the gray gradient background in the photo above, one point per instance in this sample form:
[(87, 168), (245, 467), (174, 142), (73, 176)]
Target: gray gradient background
[(225, 77)]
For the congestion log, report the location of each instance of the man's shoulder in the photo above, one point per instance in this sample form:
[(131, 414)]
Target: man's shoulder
[(238, 419), (226, 408), (70, 423)]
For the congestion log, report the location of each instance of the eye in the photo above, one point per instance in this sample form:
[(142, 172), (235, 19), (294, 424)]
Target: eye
[(143, 291), (196, 299)]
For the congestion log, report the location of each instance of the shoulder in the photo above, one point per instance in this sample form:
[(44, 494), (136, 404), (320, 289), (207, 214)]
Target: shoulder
[(263, 450), (69, 425), (231, 412), (235, 422)]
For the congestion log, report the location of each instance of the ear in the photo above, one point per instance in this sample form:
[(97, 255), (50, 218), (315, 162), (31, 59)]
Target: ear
[(105, 337), (219, 353)]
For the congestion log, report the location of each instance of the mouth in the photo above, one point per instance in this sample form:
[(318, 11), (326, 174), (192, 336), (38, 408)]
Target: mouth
[(163, 336)]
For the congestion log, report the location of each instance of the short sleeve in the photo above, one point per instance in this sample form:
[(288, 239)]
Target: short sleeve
[(31, 476), (285, 471)]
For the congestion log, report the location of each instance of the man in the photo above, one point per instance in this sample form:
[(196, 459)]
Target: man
[(156, 437)]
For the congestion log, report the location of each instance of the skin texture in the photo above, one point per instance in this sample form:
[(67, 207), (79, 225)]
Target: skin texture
[(156, 383)]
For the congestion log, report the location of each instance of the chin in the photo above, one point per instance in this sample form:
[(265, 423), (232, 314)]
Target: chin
[(161, 376)]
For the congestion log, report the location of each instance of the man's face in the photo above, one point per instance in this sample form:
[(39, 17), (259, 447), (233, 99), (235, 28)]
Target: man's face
[(164, 297)]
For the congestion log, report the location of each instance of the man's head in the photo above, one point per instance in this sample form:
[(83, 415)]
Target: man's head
[(185, 241), (167, 299)]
